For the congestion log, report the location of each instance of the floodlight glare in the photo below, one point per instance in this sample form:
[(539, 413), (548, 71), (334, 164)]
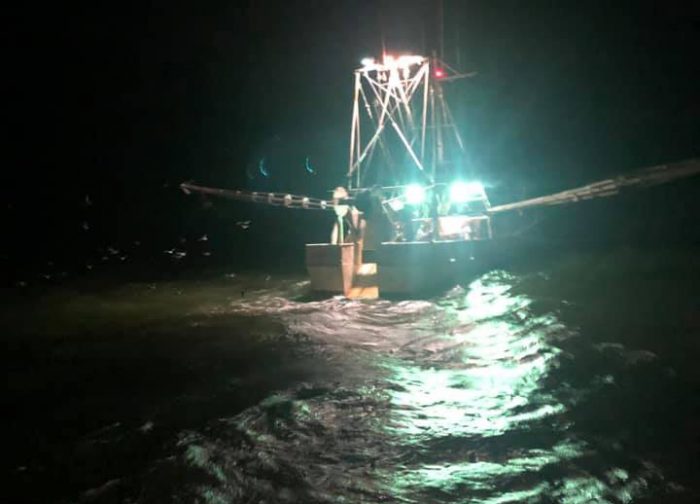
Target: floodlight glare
[(461, 192), (414, 194), (367, 62)]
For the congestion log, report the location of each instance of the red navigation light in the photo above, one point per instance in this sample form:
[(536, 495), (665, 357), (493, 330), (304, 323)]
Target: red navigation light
[(439, 73)]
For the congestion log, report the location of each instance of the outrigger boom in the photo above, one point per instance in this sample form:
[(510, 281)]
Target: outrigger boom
[(646, 177), (267, 198)]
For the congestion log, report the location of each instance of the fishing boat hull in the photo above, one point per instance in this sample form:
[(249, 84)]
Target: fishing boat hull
[(421, 268), (331, 267), (402, 269)]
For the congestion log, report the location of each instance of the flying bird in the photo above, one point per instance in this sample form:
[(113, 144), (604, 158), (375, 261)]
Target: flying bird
[(262, 169), (307, 165), (243, 224)]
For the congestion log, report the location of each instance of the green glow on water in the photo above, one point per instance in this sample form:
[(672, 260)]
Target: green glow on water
[(500, 369), (482, 421), (476, 401), (491, 388)]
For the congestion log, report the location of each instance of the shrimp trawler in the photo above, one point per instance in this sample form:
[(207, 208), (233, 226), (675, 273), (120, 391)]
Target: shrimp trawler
[(410, 219), (410, 232)]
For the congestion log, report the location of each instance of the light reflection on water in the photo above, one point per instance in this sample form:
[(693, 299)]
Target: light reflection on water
[(470, 409), (493, 386), (488, 385), (471, 397)]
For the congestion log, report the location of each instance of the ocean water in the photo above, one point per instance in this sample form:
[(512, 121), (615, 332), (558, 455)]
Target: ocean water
[(573, 382)]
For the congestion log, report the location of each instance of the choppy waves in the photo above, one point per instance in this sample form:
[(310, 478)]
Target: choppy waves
[(487, 394), (459, 399)]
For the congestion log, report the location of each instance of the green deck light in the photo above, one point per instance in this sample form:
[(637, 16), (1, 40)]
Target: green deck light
[(414, 194), (461, 192)]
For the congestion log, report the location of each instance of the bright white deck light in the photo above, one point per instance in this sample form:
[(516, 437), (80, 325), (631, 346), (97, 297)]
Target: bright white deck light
[(414, 194), (461, 192)]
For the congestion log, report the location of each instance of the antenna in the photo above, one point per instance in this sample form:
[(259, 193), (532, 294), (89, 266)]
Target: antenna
[(441, 29), (459, 52), (381, 26)]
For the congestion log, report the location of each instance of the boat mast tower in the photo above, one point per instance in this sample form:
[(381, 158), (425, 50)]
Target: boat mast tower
[(402, 130)]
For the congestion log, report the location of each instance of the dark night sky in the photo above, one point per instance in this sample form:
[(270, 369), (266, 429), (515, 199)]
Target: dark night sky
[(123, 102)]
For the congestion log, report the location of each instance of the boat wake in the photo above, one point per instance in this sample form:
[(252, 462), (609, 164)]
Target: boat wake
[(472, 397)]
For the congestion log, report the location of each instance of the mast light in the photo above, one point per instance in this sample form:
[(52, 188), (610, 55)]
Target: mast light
[(367, 62), (391, 62)]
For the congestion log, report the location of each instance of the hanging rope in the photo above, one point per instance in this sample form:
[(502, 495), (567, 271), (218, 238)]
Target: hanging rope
[(643, 178)]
